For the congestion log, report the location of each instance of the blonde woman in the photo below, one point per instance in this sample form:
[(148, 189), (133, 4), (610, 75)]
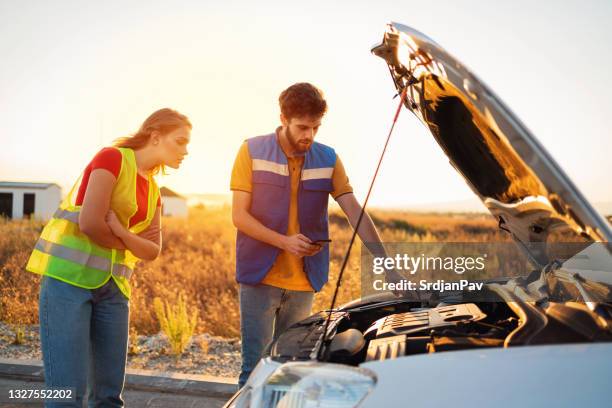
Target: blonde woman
[(87, 253)]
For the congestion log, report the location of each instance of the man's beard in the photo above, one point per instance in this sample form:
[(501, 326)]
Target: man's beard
[(294, 143)]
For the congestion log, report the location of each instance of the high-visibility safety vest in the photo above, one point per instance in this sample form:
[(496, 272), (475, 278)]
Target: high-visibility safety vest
[(65, 253), (270, 197)]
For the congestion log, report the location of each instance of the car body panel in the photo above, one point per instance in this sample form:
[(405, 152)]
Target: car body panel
[(571, 375)]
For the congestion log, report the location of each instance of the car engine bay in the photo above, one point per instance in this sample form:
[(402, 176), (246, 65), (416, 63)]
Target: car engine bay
[(389, 330)]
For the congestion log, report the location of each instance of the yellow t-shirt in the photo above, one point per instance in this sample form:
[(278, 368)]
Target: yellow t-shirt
[(288, 270)]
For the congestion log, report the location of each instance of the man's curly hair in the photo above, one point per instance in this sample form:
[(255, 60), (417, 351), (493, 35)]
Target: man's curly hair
[(302, 100)]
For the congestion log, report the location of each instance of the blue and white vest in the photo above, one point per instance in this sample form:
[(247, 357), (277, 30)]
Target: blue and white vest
[(270, 197)]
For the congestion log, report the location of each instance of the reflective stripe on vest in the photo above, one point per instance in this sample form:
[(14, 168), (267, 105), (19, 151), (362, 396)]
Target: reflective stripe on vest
[(74, 255), (72, 216), (82, 258), (320, 173), (272, 167)]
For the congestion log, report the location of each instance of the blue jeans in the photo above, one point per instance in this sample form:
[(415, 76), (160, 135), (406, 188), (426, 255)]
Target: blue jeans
[(265, 312), (84, 338)]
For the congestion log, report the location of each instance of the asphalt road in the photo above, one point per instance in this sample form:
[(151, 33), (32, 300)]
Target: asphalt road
[(132, 398)]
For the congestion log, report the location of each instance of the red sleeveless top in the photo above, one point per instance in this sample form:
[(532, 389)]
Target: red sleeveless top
[(109, 158)]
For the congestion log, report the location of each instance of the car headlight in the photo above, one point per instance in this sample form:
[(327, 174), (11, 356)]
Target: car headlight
[(309, 384), (240, 400)]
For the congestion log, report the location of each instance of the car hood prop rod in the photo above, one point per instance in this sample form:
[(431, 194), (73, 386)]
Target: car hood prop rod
[(356, 227)]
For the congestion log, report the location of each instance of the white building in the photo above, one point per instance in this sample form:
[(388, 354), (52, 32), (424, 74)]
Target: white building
[(173, 204), (29, 200)]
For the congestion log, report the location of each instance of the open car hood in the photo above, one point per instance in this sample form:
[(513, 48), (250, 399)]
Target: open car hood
[(503, 163)]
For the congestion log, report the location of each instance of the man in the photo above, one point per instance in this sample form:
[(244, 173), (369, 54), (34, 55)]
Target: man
[(281, 183)]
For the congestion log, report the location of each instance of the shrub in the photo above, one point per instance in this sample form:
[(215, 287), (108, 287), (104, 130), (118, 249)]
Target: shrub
[(19, 330), (175, 323)]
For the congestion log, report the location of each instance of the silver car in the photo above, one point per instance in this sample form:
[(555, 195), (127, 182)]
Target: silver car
[(544, 340)]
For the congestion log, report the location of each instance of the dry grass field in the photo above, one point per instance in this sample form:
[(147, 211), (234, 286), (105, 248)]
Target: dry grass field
[(198, 260)]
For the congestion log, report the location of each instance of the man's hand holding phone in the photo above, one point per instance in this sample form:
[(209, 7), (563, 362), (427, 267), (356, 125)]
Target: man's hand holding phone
[(300, 245)]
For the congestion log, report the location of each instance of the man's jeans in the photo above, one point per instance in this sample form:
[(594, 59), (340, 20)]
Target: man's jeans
[(265, 312), (84, 333)]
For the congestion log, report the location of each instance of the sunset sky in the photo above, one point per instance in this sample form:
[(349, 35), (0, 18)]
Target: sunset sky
[(75, 76)]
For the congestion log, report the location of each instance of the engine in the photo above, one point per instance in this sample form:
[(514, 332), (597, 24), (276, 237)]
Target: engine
[(431, 330), (384, 331)]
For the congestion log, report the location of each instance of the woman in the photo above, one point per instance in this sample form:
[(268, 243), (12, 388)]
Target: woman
[(87, 252)]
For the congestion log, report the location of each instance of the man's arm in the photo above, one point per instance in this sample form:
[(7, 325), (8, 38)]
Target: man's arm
[(368, 234), (367, 231), (343, 194), (298, 244)]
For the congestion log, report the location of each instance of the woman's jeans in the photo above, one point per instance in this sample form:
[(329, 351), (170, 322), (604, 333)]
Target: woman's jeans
[(84, 338), (265, 312)]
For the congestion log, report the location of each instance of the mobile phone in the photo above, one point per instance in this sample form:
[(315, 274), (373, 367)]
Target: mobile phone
[(321, 241)]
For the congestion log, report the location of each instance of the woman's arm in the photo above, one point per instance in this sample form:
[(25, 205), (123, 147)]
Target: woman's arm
[(153, 231), (96, 204), (147, 244)]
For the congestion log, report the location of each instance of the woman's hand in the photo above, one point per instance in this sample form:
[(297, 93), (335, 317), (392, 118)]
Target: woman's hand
[(114, 224), (145, 245)]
